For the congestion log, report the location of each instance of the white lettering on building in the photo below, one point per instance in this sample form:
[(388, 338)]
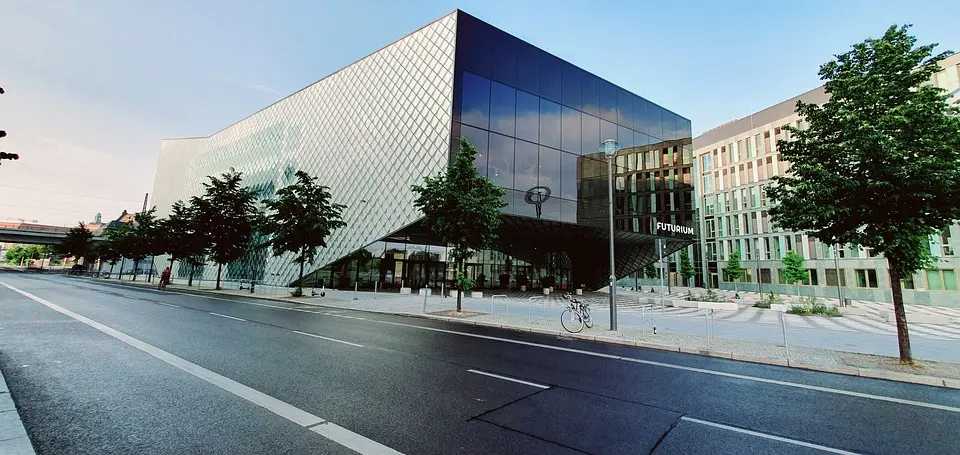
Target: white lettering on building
[(674, 228)]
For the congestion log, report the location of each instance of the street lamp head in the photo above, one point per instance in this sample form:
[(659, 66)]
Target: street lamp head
[(609, 147)]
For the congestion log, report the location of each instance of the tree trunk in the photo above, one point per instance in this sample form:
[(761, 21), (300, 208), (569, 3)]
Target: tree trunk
[(300, 281), (136, 267), (111, 267), (193, 270), (459, 290), (903, 334), (219, 271)]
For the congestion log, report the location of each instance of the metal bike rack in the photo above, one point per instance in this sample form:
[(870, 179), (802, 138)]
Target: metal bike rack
[(493, 298), (530, 306)]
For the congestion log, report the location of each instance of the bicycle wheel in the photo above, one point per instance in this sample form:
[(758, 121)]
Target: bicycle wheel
[(587, 321), (571, 321)]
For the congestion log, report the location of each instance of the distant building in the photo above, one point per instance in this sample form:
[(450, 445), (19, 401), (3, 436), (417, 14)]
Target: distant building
[(735, 162)]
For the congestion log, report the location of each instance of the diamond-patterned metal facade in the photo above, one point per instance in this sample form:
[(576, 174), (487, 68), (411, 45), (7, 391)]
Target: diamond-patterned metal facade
[(368, 131)]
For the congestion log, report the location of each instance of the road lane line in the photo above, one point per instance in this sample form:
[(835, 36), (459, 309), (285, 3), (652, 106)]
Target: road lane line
[(325, 428), (327, 338), (225, 316), (167, 304), (769, 436), (532, 384), (921, 404)]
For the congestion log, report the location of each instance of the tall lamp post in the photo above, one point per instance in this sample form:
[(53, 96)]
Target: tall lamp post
[(609, 148), (759, 275)]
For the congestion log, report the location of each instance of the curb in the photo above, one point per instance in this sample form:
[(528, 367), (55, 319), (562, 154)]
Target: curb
[(13, 436), (896, 376)]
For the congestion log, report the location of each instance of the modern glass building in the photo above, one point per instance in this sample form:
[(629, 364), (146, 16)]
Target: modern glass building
[(382, 124)]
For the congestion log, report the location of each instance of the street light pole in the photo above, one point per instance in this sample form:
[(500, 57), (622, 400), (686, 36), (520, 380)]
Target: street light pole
[(836, 265), (609, 148), (759, 275)]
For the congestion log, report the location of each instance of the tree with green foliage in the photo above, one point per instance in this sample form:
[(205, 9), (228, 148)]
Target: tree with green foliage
[(115, 244), (733, 270), (77, 243), (145, 239), (183, 236), (793, 270), (879, 164), (300, 219), (650, 271), (462, 208), (227, 213), (686, 267), (15, 255)]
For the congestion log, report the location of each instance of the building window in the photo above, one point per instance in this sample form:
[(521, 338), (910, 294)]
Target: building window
[(765, 276), (766, 248), (812, 247), (812, 278), (866, 278), (753, 223), (830, 276), (945, 242), (707, 161), (942, 280), (907, 283)]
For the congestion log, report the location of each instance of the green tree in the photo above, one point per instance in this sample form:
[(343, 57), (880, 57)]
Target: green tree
[(15, 254), (793, 270), (733, 270), (879, 165), (686, 267), (115, 244), (183, 236), (650, 271), (144, 239), (228, 215), (77, 243), (300, 219), (462, 208)]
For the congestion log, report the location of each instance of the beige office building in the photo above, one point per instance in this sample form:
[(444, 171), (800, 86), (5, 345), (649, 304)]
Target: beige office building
[(735, 161)]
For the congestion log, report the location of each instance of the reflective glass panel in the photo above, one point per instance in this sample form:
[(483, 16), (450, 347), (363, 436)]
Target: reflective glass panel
[(590, 134), (608, 101), (608, 130), (625, 108), (550, 170), (641, 115), (568, 176), (475, 108), (500, 162), (504, 59), (549, 77), (570, 134), (549, 123), (625, 137), (528, 68), (570, 85), (528, 116), (590, 94), (478, 138), (503, 108), (525, 166), (655, 117)]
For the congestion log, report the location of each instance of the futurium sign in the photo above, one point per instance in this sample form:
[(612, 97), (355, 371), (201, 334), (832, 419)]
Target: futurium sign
[(674, 228)]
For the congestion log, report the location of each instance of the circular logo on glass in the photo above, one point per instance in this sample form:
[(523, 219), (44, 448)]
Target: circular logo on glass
[(537, 196)]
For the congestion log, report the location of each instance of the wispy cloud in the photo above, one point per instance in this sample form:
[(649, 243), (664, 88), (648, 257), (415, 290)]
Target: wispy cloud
[(253, 86)]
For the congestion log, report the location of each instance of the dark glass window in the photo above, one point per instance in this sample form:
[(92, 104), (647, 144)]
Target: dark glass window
[(525, 166), (549, 77), (625, 108), (570, 85), (528, 116), (608, 101), (549, 123), (590, 94), (640, 139), (655, 116), (473, 46), (568, 176), (503, 108), (686, 131), (528, 68), (475, 109), (670, 123), (504, 59), (641, 115), (608, 130), (570, 135), (625, 137), (589, 134), (478, 138), (500, 162), (550, 170)]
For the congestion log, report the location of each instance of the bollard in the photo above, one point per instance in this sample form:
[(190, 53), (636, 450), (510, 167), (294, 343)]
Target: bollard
[(375, 283), (706, 325), (425, 294), (643, 315), (786, 345), (355, 284)]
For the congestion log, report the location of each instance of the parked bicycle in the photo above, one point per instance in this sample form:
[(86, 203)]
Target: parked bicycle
[(576, 315)]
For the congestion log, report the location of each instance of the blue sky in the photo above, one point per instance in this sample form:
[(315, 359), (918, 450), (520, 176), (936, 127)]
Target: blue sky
[(94, 85)]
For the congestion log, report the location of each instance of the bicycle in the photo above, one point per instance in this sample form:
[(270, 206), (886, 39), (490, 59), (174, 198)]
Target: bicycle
[(576, 315)]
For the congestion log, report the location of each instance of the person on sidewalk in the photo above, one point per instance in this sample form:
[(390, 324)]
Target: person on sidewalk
[(165, 278)]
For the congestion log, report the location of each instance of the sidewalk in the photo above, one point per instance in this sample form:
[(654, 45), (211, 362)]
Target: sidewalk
[(13, 437), (811, 346)]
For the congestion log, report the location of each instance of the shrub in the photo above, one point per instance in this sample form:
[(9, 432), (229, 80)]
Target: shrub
[(766, 301), (813, 306), (710, 296), (297, 292)]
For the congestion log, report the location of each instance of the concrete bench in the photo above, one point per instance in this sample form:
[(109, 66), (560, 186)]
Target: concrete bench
[(723, 306), (852, 311)]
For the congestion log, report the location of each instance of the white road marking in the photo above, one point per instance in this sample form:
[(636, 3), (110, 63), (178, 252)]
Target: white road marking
[(769, 436), (692, 369), (225, 316), (327, 338), (327, 429), (168, 304), (533, 384)]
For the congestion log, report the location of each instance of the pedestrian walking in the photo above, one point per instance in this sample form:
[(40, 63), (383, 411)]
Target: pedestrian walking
[(165, 278)]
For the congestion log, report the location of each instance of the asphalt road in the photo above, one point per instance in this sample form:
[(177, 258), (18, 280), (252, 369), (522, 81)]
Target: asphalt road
[(102, 368)]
